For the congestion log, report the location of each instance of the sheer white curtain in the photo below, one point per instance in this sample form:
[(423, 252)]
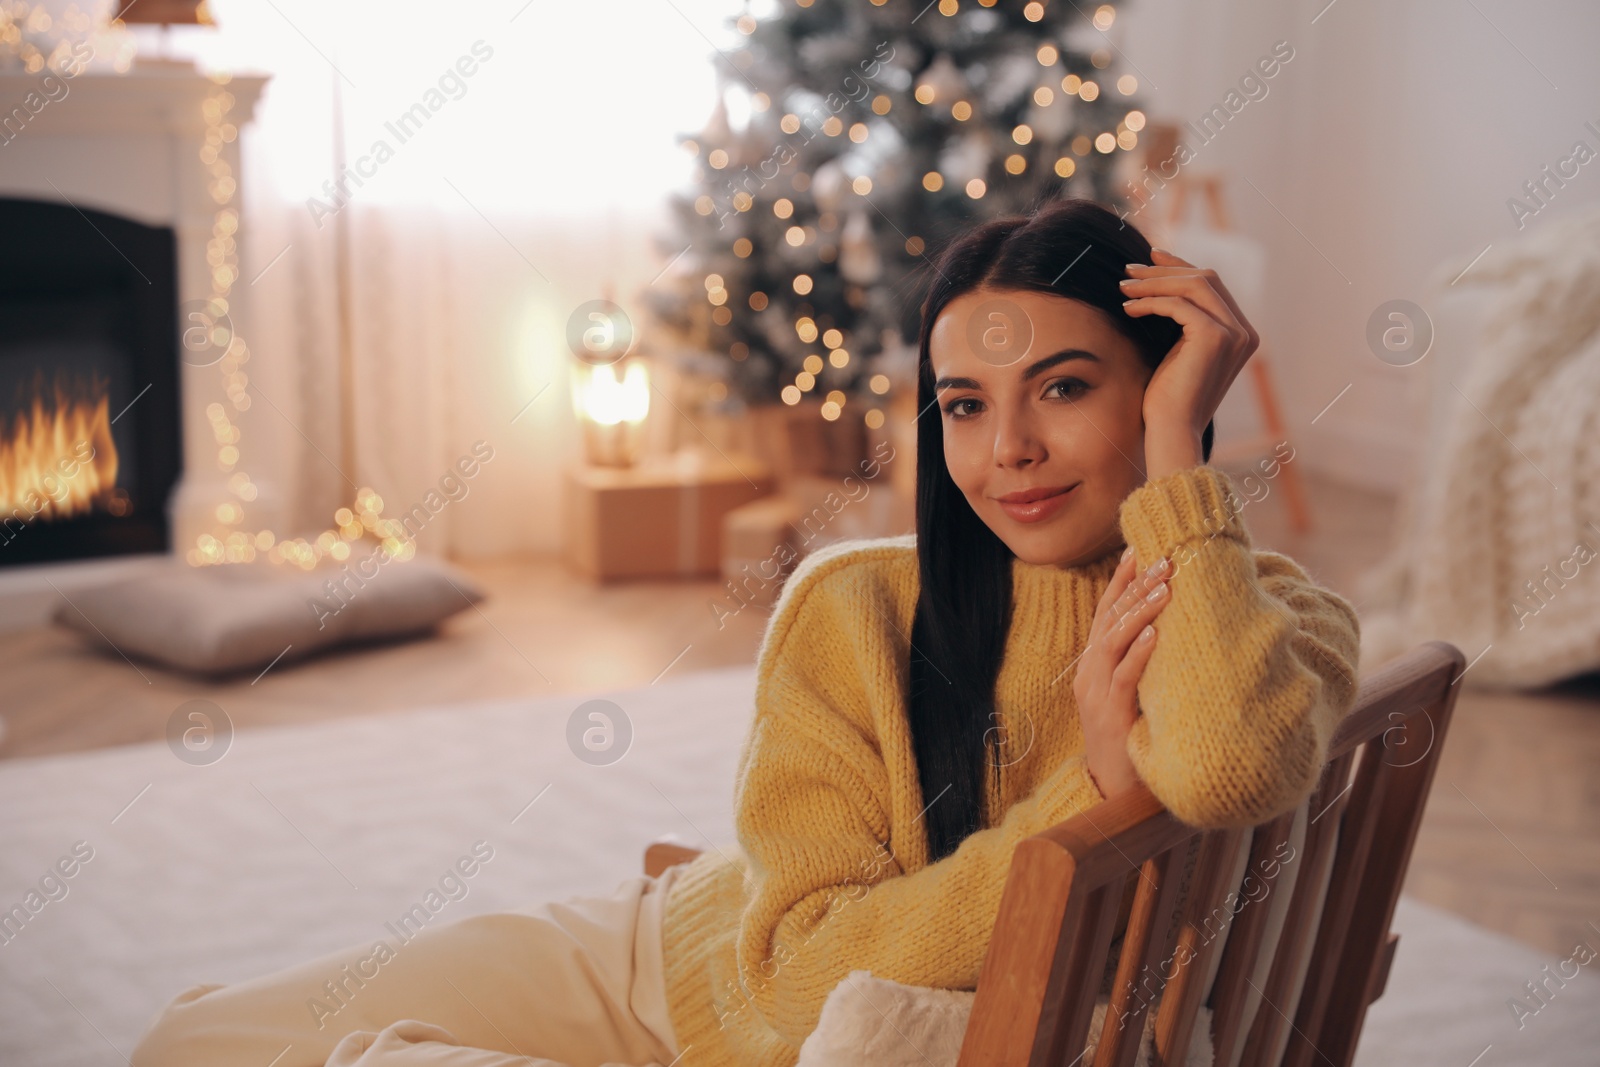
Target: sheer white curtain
[(506, 162)]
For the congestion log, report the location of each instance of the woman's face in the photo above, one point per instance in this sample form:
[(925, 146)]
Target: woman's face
[(1040, 392)]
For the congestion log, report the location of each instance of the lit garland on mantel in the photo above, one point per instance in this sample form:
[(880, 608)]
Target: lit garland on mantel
[(22, 25)]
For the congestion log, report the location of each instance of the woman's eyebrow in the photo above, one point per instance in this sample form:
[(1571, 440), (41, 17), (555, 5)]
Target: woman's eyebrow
[(1060, 357), (1034, 370)]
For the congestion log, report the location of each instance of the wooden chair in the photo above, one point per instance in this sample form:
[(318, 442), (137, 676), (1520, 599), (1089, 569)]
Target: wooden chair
[(1311, 978)]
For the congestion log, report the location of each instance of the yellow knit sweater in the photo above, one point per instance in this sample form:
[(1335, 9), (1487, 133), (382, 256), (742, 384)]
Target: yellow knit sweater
[(1253, 668)]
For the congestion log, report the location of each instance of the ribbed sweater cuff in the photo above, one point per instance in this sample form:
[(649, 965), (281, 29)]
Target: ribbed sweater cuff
[(695, 935), (1187, 507)]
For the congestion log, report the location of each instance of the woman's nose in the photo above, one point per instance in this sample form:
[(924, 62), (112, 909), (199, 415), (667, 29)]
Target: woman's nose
[(1016, 442)]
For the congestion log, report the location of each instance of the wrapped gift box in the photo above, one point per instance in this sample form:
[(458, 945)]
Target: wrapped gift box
[(660, 519), (795, 440), (763, 540), (760, 546)]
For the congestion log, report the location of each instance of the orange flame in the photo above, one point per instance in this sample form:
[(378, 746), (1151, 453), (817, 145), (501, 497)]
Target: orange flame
[(56, 455)]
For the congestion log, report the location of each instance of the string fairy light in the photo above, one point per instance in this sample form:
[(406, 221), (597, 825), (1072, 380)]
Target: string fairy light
[(26, 36), (229, 541)]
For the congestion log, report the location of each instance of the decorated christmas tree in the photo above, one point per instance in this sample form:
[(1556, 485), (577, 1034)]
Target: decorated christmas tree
[(849, 138)]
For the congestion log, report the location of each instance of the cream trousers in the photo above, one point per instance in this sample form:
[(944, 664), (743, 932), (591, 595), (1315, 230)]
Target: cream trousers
[(571, 984)]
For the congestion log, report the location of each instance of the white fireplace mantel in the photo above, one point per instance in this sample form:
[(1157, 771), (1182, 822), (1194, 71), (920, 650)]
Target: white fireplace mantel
[(127, 144)]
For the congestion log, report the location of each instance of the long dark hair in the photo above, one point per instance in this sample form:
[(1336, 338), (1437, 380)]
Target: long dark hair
[(1073, 248)]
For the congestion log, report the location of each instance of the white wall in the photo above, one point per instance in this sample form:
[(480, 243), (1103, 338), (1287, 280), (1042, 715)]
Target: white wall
[(1389, 144)]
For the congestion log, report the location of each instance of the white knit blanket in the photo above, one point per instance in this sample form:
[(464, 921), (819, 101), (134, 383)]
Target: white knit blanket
[(1503, 548), (873, 1022)]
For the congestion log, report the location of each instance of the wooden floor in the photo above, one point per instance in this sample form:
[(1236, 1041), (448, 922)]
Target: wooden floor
[(1510, 839)]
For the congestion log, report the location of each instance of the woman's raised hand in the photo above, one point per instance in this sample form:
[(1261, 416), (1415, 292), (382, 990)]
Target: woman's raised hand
[(1120, 642), (1186, 389)]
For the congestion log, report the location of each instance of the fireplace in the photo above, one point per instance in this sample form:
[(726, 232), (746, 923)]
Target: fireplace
[(90, 434)]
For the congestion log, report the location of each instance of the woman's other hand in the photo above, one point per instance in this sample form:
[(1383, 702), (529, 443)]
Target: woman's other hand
[(1120, 642)]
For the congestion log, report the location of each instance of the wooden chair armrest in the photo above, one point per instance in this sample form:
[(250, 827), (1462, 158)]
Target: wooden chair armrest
[(1101, 843)]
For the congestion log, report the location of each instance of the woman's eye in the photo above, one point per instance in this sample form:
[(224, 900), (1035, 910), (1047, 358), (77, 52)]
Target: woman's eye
[(1069, 388), (953, 408)]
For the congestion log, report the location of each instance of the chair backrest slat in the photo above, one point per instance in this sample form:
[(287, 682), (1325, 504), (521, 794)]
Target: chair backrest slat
[(1206, 913), (1269, 1034), (1359, 829), (1409, 752), (1139, 966), (1064, 1030), (1231, 993)]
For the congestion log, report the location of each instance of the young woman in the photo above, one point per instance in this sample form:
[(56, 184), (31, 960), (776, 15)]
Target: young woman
[(1081, 608)]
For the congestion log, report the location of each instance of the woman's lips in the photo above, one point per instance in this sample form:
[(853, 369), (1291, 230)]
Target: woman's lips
[(1038, 510)]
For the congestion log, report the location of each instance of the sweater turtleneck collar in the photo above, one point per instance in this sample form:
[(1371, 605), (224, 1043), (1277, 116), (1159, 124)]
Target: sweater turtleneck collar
[(1056, 604), (1052, 579)]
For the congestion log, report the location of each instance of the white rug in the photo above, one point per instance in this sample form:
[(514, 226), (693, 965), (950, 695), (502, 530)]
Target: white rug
[(304, 839)]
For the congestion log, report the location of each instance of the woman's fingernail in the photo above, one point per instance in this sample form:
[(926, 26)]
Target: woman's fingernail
[(1127, 554), (1157, 593), (1158, 567), (1127, 281), (1147, 633), (1163, 251), (1131, 266)]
